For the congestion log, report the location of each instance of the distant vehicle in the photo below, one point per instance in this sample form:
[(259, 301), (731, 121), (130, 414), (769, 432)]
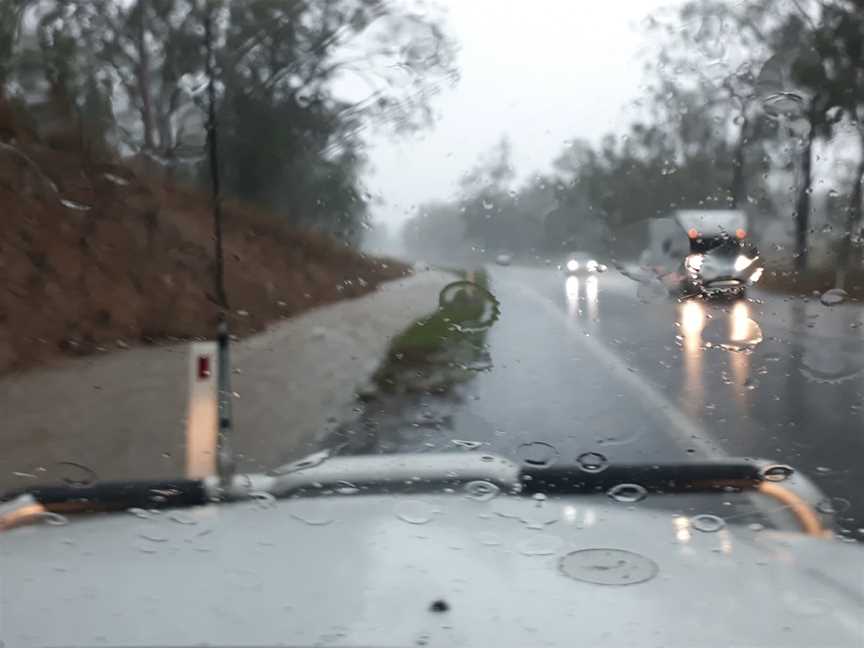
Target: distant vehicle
[(582, 263), (721, 261), (504, 259), (702, 252)]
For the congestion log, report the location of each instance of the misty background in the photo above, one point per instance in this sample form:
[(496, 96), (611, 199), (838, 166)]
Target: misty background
[(441, 130)]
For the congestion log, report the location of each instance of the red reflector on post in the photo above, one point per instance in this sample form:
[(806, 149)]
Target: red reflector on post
[(203, 367)]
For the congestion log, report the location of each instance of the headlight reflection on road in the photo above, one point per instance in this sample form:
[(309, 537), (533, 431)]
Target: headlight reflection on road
[(591, 296), (740, 327), (692, 319), (682, 529), (692, 322), (742, 333), (571, 290), (573, 287)]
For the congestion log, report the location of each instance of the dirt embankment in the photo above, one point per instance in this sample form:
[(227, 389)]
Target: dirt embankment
[(96, 256)]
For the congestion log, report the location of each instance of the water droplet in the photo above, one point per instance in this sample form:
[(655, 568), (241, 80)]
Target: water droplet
[(537, 453), (834, 297), (480, 490), (263, 499), (488, 204), (608, 567), (309, 461), (54, 519), (414, 511), (312, 518), (833, 505), (783, 103), (707, 523), (116, 179), (140, 513), (468, 445), (777, 472), (540, 545), (71, 204), (180, 518), (592, 462), (627, 493), (738, 334), (346, 488), (75, 474), (152, 537), (488, 539)]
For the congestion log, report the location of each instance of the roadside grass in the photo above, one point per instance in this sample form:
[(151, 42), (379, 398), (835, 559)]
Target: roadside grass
[(807, 282), (444, 348)]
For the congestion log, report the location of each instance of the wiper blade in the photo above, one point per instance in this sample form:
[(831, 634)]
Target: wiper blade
[(684, 477), (118, 495)]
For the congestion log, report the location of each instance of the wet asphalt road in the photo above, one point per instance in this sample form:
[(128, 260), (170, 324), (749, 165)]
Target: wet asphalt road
[(596, 365)]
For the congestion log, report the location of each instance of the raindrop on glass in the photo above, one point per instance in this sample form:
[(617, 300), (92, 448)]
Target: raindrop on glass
[(541, 545), (310, 517), (140, 513), (777, 472), (263, 499), (627, 493), (592, 462), (833, 505), (537, 453), (707, 523), (783, 103), (468, 445), (75, 474), (834, 297), (414, 512), (309, 461), (71, 204), (54, 519), (480, 490), (346, 488), (180, 518)]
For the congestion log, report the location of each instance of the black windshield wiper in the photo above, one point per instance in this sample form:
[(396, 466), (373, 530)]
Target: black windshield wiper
[(682, 477), (117, 495)]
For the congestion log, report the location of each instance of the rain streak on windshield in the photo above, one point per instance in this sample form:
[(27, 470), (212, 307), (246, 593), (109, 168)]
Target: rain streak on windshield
[(344, 306)]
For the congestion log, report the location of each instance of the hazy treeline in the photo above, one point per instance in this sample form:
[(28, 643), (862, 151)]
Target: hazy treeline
[(300, 84), (741, 101)]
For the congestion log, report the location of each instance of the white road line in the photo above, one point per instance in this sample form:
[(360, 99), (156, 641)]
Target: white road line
[(687, 432)]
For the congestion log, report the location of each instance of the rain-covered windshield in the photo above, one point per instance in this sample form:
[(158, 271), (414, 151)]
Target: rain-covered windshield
[(235, 235)]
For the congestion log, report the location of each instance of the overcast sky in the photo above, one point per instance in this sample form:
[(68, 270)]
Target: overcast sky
[(539, 71)]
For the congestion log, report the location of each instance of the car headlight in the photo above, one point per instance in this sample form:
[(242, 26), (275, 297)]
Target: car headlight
[(694, 262), (572, 265), (756, 276), (742, 263), (591, 266)]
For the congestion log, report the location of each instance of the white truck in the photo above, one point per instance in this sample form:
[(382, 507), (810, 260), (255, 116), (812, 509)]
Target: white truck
[(702, 251)]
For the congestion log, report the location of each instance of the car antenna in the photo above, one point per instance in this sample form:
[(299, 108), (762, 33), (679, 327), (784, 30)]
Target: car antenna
[(225, 456)]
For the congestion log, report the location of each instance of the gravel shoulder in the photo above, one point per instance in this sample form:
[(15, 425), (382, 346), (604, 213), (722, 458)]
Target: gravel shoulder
[(123, 414)]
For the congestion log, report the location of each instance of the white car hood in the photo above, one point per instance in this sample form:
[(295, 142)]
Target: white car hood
[(365, 570)]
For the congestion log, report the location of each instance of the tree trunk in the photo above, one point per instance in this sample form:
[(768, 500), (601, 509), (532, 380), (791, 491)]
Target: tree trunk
[(143, 78), (802, 208), (853, 217)]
